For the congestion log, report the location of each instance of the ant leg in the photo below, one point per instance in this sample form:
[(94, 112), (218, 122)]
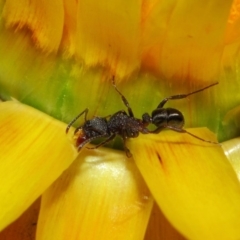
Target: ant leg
[(76, 118), (185, 131), (180, 96), (156, 131), (125, 101), (80, 146), (104, 142), (180, 130), (127, 151)]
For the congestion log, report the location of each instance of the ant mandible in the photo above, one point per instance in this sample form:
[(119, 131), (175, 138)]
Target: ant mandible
[(127, 126)]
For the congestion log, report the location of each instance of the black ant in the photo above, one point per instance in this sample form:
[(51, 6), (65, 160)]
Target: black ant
[(127, 126)]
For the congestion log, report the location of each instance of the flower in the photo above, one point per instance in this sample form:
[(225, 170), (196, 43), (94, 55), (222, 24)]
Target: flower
[(63, 59)]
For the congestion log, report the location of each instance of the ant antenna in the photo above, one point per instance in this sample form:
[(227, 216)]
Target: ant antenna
[(200, 90), (181, 96), (76, 118), (204, 140), (114, 84), (125, 101)]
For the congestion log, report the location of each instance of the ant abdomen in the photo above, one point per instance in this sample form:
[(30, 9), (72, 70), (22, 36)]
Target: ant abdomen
[(163, 117)]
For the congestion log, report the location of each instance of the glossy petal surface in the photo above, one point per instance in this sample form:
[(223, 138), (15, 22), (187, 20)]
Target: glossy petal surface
[(101, 196), (232, 151)]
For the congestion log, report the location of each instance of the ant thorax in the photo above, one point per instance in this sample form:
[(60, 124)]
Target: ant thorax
[(124, 125)]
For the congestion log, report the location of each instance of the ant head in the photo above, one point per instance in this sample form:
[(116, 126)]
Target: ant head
[(79, 136), (163, 117)]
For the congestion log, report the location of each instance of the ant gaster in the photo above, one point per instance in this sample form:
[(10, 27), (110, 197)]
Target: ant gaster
[(127, 126)]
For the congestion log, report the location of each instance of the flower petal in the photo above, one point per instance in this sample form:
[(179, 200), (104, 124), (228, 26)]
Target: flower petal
[(43, 18), (24, 228), (232, 151), (184, 39), (101, 196), (192, 182), (114, 41), (159, 227), (34, 152)]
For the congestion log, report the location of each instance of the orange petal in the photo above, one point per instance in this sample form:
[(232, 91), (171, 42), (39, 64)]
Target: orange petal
[(109, 33), (24, 228), (43, 18), (159, 227), (184, 39)]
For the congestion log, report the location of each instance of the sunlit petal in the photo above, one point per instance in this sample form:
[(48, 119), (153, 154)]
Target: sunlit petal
[(232, 151), (101, 196)]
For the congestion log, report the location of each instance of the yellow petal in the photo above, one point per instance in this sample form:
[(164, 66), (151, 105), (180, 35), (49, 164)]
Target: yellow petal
[(101, 196), (34, 152), (192, 182)]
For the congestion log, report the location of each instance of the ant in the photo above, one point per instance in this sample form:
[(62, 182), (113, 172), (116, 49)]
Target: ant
[(127, 126)]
